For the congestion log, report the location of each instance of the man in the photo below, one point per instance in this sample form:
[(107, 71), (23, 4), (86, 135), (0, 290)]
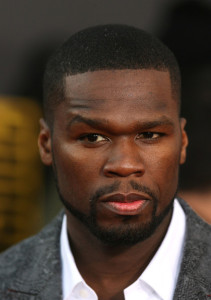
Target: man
[(114, 137)]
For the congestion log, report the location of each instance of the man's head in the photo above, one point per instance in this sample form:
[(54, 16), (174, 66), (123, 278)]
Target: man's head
[(106, 47), (116, 139)]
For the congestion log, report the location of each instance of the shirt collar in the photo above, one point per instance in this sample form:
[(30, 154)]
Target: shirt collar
[(163, 270), (70, 274)]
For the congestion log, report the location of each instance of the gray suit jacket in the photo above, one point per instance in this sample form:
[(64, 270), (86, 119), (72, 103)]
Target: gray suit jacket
[(31, 270)]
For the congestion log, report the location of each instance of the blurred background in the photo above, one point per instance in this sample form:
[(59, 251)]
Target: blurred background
[(29, 32)]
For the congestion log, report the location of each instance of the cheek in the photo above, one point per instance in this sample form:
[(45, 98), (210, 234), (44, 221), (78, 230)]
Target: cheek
[(77, 172), (166, 159), (163, 171)]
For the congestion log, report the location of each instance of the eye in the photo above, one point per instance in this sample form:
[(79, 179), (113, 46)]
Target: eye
[(149, 135), (93, 138)]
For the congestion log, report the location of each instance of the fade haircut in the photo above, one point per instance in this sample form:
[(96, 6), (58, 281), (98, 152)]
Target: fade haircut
[(106, 47)]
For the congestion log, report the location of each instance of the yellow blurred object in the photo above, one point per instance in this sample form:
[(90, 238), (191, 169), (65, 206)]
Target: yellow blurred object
[(21, 173)]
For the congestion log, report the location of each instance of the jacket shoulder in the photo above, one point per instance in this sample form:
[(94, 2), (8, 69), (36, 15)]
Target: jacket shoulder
[(26, 261), (195, 273)]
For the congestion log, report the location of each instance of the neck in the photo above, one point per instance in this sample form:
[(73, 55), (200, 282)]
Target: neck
[(102, 265)]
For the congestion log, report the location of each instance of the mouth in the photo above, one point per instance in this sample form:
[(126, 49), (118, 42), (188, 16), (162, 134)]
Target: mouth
[(125, 204)]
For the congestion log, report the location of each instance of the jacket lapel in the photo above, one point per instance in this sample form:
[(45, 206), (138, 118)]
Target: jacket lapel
[(40, 276), (194, 278)]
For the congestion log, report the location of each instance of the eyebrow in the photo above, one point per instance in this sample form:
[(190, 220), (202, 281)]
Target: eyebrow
[(90, 122), (163, 121)]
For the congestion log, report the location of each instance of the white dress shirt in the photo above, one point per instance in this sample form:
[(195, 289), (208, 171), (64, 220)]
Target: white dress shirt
[(158, 280)]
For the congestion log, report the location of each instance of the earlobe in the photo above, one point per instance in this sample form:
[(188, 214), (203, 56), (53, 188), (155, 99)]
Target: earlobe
[(44, 143), (184, 141)]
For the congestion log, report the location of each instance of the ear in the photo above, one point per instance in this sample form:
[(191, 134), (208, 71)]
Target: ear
[(44, 143), (184, 141)]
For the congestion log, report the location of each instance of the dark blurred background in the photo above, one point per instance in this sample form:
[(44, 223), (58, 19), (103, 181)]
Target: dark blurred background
[(29, 32)]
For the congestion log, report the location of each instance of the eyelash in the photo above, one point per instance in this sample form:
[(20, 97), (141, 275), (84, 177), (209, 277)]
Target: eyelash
[(159, 134), (91, 135)]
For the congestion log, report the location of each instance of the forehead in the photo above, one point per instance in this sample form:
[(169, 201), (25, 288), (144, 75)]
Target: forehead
[(121, 90)]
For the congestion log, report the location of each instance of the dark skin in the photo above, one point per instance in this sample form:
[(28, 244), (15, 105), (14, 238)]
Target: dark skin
[(115, 126)]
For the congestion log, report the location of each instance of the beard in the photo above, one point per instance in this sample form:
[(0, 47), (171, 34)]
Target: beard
[(129, 231)]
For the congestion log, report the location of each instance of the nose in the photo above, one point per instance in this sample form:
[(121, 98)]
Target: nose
[(124, 160)]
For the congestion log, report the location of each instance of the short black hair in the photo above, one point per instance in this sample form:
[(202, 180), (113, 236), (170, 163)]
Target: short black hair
[(106, 47)]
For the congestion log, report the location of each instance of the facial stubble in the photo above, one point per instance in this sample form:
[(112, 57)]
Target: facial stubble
[(129, 231)]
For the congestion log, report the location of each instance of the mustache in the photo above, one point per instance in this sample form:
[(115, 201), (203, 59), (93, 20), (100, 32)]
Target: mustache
[(115, 187)]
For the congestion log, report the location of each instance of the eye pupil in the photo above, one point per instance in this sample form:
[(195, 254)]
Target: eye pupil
[(149, 134), (92, 137)]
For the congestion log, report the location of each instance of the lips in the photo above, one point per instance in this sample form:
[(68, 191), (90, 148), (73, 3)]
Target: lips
[(125, 204), (125, 198)]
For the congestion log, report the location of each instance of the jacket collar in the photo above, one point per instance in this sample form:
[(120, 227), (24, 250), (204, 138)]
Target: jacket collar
[(194, 277)]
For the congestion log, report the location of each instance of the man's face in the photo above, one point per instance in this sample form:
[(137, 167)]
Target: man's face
[(116, 145)]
